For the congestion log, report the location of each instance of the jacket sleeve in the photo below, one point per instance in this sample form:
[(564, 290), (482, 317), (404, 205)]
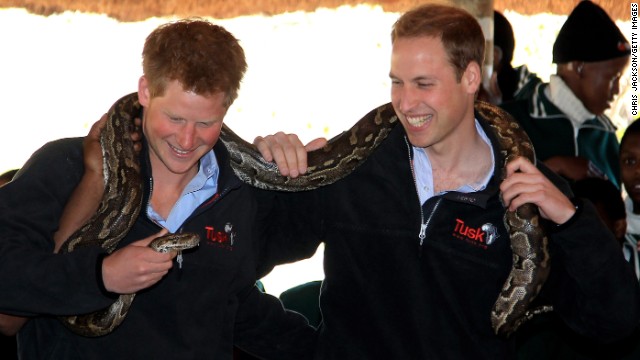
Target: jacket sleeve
[(292, 228), (33, 280), (593, 288), (265, 329)]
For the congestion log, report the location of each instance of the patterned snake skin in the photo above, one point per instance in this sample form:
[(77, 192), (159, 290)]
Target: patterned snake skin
[(337, 159), (529, 243), (344, 152)]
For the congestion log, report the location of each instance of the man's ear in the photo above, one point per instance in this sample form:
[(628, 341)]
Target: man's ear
[(472, 77), (144, 94)]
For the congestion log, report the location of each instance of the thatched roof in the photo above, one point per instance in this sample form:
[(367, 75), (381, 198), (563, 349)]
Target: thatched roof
[(136, 10)]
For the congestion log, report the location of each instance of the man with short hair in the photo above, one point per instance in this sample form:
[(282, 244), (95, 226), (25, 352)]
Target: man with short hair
[(416, 251), (199, 308)]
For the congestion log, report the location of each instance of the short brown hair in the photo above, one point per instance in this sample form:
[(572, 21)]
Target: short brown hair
[(459, 31), (204, 57)]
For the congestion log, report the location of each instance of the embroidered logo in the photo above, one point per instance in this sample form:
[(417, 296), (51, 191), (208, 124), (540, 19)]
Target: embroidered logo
[(221, 238), (482, 236), (491, 231)]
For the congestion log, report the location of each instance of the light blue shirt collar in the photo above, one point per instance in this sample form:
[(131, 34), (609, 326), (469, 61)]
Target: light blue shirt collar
[(203, 186), (424, 172)]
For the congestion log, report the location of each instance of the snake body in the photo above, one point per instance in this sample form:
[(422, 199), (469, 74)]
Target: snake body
[(529, 243), (346, 151), (338, 158), (341, 155), (117, 212)]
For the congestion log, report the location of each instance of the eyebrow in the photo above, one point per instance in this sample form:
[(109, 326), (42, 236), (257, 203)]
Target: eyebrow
[(417, 78)]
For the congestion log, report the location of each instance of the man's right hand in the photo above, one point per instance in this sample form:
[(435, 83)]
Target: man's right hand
[(135, 266), (287, 151)]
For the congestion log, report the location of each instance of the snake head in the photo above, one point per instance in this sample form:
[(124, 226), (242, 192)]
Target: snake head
[(175, 242)]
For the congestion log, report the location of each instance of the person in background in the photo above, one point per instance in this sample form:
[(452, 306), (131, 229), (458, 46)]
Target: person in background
[(565, 117), (608, 201), (505, 78), (196, 309), (507, 83), (416, 252), (630, 174)]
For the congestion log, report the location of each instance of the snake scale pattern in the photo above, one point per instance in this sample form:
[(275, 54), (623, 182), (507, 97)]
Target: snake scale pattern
[(529, 243), (337, 159)]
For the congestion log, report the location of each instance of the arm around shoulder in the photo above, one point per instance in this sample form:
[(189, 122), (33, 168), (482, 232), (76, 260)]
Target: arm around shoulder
[(35, 280)]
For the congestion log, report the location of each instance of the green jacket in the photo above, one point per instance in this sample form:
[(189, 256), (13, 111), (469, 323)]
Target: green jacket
[(552, 133), (527, 83)]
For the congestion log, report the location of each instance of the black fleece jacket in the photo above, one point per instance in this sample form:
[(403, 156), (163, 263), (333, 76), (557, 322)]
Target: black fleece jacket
[(197, 312), (385, 296)]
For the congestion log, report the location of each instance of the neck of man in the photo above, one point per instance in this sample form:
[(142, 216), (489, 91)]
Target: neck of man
[(455, 166)]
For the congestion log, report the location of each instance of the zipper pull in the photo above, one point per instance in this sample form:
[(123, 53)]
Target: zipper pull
[(179, 259), (421, 236)]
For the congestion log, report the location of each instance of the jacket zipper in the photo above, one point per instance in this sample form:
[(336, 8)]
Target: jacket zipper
[(179, 259), (422, 234)]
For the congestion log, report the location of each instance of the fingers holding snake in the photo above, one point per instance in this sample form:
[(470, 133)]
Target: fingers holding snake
[(286, 150), (526, 184), (135, 266)]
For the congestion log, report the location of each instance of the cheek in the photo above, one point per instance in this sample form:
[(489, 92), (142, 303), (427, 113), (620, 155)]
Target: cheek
[(628, 171), (600, 89), (158, 129), (394, 94), (154, 124), (209, 136), (596, 96)]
